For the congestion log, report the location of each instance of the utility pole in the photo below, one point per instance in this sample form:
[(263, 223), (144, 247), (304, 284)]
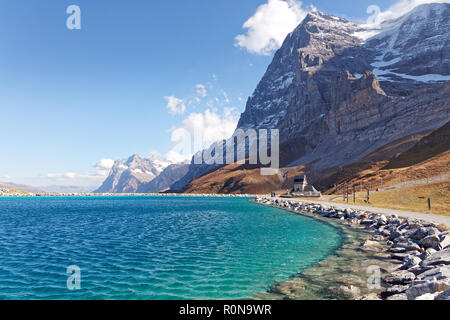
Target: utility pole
[(346, 190), (354, 194)]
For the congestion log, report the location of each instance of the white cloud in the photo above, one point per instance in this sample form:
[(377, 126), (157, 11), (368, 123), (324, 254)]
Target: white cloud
[(59, 176), (403, 6), (199, 130), (102, 169), (379, 21), (6, 177), (270, 25), (175, 105), (104, 164), (201, 90)]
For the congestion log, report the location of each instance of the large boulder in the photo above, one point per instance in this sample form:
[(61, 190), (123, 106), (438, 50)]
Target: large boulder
[(393, 291), (401, 277), (373, 245), (423, 232), (406, 245), (350, 291), (444, 241), (420, 289), (427, 253), (411, 262), (430, 241), (444, 295), (401, 296), (438, 273), (438, 258)]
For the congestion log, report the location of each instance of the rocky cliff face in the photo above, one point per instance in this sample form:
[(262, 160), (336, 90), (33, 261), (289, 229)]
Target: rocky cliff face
[(337, 95), (415, 46), (168, 177), (345, 96)]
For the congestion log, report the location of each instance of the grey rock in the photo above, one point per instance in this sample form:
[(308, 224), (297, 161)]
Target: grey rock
[(350, 291), (445, 295), (400, 277), (430, 241), (433, 231), (419, 269), (404, 256), (369, 244), (440, 257), (407, 245), (371, 296), (394, 221), (382, 220), (397, 250), (411, 262), (393, 291), (438, 273), (419, 234), (366, 222), (427, 253), (444, 241), (417, 290), (400, 296)]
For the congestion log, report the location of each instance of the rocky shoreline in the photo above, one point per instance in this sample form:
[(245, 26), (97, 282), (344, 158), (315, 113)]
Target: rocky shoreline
[(414, 255)]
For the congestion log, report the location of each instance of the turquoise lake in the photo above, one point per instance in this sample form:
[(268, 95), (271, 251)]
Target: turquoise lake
[(153, 247)]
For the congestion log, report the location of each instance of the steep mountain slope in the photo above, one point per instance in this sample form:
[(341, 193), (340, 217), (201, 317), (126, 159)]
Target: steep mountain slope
[(165, 179), (415, 46), (420, 157), (415, 157), (127, 175), (323, 94)]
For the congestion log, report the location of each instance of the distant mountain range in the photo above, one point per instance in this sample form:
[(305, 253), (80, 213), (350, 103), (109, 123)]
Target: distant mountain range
[(142, 175), (20, 187)]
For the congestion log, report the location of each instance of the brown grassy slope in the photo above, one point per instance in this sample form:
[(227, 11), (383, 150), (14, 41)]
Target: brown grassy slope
[(410, 199), (429, 156), (234, 178)]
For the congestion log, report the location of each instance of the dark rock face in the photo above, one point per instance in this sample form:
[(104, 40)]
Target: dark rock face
[(344, 97), (194, 171), (415, 44), (166, 179)]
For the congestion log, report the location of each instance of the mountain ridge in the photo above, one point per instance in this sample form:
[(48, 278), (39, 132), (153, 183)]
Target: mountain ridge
[(323, 93)]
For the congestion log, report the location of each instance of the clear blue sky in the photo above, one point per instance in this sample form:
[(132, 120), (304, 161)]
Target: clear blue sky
[(69, 98)]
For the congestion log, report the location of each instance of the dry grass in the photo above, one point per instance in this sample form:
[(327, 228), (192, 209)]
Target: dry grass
[(410, 199)]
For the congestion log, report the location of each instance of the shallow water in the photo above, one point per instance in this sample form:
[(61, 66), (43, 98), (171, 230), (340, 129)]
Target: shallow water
[(352, 264), (153, 247)]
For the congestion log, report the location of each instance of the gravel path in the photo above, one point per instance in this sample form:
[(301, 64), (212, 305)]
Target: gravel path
[(407, 214)]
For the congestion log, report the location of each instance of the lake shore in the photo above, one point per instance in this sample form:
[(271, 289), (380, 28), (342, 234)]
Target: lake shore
[(411, 256), (25, 195)]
